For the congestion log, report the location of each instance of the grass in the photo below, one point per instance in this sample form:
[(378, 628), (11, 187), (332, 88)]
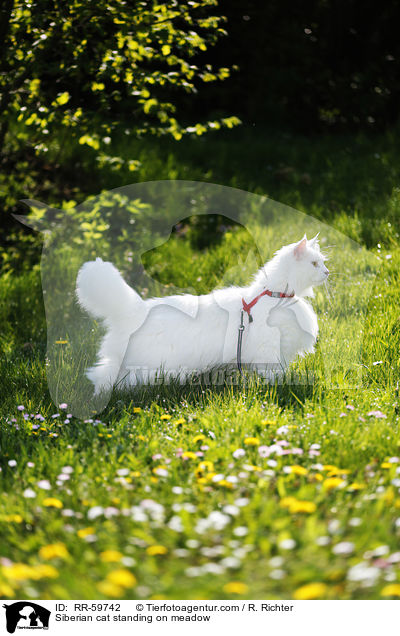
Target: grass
[(193, 492)]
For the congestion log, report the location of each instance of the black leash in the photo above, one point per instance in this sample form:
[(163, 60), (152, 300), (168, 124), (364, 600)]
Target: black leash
[(247, 308), (239, 344)]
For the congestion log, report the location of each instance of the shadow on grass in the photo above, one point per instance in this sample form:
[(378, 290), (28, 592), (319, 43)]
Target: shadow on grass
[(169, 396)]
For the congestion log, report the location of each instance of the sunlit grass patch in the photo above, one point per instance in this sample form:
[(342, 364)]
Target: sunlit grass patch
[(281, 490)]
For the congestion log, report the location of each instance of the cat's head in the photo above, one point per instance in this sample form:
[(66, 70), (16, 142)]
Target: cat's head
[(309, 267)]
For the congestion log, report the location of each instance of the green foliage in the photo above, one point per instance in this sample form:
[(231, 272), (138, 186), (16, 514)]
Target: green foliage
[(318, 176), (72, 74), (84, 66)]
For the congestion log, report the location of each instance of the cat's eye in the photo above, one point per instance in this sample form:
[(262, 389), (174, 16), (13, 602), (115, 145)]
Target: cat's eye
[(315, 263)]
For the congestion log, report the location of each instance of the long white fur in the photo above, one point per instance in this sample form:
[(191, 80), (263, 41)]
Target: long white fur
[(179, 335)]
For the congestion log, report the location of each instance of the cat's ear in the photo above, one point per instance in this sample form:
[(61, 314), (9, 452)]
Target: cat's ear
[(40, 217), (300, 248), (314, 241)]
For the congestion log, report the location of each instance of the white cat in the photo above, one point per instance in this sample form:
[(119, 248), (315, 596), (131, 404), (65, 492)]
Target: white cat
[(182, 335)]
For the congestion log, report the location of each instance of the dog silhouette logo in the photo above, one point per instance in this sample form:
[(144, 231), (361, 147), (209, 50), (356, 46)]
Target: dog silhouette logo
[(114, 237), (26, 615)]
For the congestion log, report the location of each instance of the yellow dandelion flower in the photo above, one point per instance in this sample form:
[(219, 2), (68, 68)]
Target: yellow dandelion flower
[(310, 591), (252, 441), (204, 467), (166, 416), (180, 421), (122, 577), (298, 470), (13, 518), (136, 473), (85, 532), (6, 591), (111, 556), (198, 438), (61, 341), (189, 455), (337, 471), (45, 571), (333, 482), (162, 468), (316, 477), (142, 438), (137, 409), (286, 502), (153, 480), (225, 484), (296, 505), (329, 467), (235, 587), (17, 572), (386, 465), (54, 551), (155, 550), (52, 502), (391, 590), (110, 590), (268, 422), (303, 506), (356, 486)]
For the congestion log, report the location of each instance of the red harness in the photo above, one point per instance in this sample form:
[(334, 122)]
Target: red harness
[(247, 307)]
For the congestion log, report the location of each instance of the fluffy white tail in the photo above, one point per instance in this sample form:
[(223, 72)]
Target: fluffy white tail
[(103, 293)]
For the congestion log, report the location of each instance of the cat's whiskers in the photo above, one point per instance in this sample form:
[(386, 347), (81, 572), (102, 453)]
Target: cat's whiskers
[(336, 273), (328, 295)]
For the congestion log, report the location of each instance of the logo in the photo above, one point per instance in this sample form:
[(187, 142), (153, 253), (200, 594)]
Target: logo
[(124, 227), (26, 615)]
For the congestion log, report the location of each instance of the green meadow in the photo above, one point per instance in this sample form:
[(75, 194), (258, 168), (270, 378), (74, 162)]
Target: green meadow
[(239, 490)]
